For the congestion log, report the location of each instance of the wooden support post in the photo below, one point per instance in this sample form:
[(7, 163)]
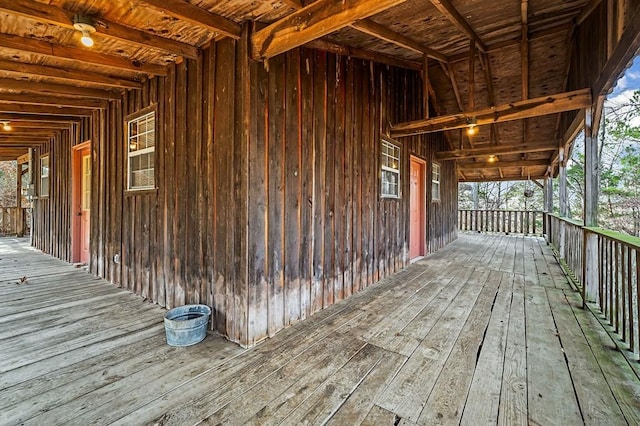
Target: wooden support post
[(563, 201), (425, 85), (591, 172)]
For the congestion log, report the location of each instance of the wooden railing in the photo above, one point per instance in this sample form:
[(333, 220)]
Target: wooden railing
[(606, 268), (507, 221), (12, 221)]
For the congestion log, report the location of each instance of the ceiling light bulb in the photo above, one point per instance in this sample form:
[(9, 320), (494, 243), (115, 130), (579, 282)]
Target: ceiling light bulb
[(471, 130), (6, 126), (86, 39), (492, 158)]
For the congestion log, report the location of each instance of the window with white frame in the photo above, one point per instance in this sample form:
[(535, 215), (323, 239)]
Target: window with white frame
[(44, 176), (141, 145), (390, 160), (435, 182)]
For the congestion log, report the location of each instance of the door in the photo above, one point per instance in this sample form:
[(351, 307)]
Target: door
[(81, 211), (417, 207)]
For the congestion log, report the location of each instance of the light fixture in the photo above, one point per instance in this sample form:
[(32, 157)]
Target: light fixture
[(86, 26), (471, 126), (133, 146), (491, 159), (5, 125)]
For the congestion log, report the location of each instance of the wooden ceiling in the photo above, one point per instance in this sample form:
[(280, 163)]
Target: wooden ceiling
[(477, 55)]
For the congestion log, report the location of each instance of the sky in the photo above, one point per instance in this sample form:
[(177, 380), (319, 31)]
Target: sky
[(625, 87)]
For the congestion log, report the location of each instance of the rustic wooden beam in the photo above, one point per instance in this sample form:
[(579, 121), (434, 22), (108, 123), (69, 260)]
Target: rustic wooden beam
[(76, 54), (367, 55), (587, 10), (380, 31), (458, 154), (47, 14), (502, 164), (294, 4), (41, 99), (472, 78), (524, 48), (503, 178), (195, 15), (67, 75), (627, 47), (59, 89), (42, 118), (312, 22), (529, 108), (426, 85), (43, 125), (48, 110), (451, 13)]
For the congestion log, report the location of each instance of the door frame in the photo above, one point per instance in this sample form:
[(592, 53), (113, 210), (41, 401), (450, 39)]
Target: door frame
[(76, 198), (423, 210)]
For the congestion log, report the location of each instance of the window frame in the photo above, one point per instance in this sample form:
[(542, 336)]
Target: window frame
[(137, 117), (436, 179), (386, 142), (44, 158)]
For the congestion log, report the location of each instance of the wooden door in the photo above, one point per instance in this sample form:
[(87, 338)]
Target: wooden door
[(417, 208), (81, 220)]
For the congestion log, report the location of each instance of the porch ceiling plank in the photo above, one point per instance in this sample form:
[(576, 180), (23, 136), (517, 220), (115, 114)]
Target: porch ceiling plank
[(48, 14), (185, 11), (312, 22), (41, 118), (76, 54), (458, 154), (45, 109), (41, 99), (380, 31), (40, 125), (502, 164), (529, 108), (450, 12), (587, 11), (59, 89), (367, 55), (627, 47), (67, 75)]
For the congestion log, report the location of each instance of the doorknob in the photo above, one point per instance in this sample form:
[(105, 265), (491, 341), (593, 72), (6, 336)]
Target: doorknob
[(79, 214)]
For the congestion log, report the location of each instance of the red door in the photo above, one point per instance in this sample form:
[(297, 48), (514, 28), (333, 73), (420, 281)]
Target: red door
[(81, 219), (417, 206)]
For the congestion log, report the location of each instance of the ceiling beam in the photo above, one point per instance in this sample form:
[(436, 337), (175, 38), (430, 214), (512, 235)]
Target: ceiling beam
[(367, 55), (626, 49), (451, 13), (312, 22), (42, 118), (77, 54), (47, 110), (40, 125), (587, 10), (67, 75), (41, 99), (529, 108), (195, 15), (502, 164), (47, 14), (458, 154), (374, 29), (57, 89)]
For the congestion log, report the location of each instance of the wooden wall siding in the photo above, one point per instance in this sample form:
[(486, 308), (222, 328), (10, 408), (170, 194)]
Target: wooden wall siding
[(268, 206)]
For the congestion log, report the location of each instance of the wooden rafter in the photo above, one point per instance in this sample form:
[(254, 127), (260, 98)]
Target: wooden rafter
[(48, 14), (59, 89), (446, 8), (185, 11), (529, 108), (312, 22), (588, 9), (524, 63), (76, 54), (48, 110), (43, 125), (380, 31), (42, 118), (459, 154), (66, 75), (502, 164), (29, 99), (365, 54)]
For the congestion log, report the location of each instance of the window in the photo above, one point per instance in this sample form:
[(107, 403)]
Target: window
[(141, 145), (390, 170), (435, 182), (44, 176)]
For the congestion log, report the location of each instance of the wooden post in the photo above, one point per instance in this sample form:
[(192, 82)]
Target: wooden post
[(591, 171), (563, 200), (591, 174), (425, 85)]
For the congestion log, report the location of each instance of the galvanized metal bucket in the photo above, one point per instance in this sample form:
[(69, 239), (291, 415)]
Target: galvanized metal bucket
[(186, 325)]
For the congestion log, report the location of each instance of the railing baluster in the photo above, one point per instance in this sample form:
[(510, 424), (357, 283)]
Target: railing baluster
[(629, 286)]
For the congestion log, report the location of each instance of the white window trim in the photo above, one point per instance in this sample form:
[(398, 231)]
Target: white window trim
[(43, 175), (139, 117), (392, 170), (438, 181)]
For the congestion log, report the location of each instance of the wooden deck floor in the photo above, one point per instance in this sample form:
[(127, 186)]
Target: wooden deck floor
[(485, 331)]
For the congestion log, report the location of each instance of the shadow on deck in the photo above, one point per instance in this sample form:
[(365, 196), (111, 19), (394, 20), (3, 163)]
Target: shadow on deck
[(484, 331)]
